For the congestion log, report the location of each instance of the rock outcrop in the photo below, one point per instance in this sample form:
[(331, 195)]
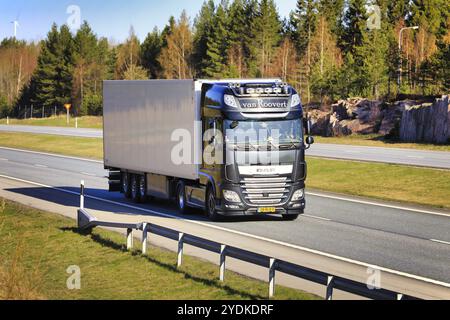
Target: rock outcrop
[(427, 122), (407, 120)]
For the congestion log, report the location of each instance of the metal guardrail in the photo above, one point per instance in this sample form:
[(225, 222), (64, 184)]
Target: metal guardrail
[(331, 282)]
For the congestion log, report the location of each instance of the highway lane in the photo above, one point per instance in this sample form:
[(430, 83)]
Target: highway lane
[(422, 158), (412, 242)]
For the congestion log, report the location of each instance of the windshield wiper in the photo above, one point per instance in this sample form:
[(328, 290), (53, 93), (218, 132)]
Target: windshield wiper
[(245, 147)]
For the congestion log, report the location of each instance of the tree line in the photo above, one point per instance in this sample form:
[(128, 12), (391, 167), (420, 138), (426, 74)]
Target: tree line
[(324, 48)]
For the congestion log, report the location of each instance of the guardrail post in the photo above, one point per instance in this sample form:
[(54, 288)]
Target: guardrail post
[(272, 268), (180, 249), (330, 284), (223, 258), (82, 195), (129, 239), (144, 238), (400, 296)]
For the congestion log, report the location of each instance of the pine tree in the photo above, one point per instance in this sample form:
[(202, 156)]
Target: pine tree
[(217, 45), (150, 50), (354, 21), (203, 25), (267, 35), (238, 35), (304, 22), (53, 76)]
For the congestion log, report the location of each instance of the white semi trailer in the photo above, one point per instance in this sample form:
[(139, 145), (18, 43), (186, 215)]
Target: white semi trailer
[(160, 136)]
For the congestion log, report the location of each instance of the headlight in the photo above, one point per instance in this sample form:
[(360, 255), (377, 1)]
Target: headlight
[(231, 196), (298, 195), (295, 101), (230, 101)]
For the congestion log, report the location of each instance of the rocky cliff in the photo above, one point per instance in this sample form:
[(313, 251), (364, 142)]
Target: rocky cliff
[(427, 122), (416, 122)]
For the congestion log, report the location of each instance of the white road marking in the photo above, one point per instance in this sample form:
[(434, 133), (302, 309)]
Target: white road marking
[(415, 157), (440, 241), (3, 159), (378, 204), (315, 217), (316, 194), (40, 166), (363, 264)]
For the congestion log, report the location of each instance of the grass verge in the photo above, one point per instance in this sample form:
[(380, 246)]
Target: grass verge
[(91, 148), (381, 181), (61, 121), (376, 180), (38, 248), (380, 141)]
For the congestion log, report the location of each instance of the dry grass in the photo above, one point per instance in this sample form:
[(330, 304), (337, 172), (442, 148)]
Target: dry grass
[(61, 121)]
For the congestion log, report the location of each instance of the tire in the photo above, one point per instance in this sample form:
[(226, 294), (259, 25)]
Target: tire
[(290, 217), (142, 189), (135, 196), (126, 187), (181, 199), (211, 203)]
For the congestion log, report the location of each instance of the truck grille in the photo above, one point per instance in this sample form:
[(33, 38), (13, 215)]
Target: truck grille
[(266, 191)]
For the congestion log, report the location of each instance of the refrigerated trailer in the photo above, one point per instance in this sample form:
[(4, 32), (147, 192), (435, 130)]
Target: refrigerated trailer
[(229, 147)]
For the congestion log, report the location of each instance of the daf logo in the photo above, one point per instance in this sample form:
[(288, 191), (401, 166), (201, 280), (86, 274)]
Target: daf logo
[(266, 170)]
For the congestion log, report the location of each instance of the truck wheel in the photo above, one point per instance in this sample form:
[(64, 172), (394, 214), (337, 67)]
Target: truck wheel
[(181, 198), (142, 188), (126, 188), (290, 217), (135, 196), (211, 203)]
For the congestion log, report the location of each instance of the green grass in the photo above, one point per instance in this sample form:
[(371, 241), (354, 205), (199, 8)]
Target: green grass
[(83, 122), (91, 148), (38, 247), (380, 141), (382, 181)]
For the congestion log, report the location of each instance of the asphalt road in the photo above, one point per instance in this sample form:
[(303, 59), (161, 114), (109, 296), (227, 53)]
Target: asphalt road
[(385, 235), (422, 158)]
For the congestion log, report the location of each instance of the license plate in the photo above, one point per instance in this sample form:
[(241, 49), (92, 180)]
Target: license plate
[(267, 210)]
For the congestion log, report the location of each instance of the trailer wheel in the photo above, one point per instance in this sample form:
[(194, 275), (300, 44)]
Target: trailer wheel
[(142, 188), (126, 187), (290, 217), (211, 204), (181, 198), (135, 196)]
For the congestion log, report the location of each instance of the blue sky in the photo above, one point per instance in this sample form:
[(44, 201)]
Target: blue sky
[(109, 18)]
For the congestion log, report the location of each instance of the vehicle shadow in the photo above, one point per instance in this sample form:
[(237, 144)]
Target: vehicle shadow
[(116, 204)]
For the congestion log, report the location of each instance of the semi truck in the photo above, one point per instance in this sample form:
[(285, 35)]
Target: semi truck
[(228, 147)]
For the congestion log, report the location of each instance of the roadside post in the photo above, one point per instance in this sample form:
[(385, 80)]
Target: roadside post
[(68, 106), (7, 120)]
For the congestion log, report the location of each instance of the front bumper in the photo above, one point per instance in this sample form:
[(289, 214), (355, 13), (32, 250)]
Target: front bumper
[(244, 208)]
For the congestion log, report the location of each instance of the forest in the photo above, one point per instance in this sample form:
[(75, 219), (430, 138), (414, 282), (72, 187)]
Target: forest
[(327, 49)]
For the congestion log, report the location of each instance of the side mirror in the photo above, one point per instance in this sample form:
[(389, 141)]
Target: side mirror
[(308, 127), (310, 140)]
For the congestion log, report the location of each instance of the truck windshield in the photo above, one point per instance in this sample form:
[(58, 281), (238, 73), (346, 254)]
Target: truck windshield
[(285, 134)]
